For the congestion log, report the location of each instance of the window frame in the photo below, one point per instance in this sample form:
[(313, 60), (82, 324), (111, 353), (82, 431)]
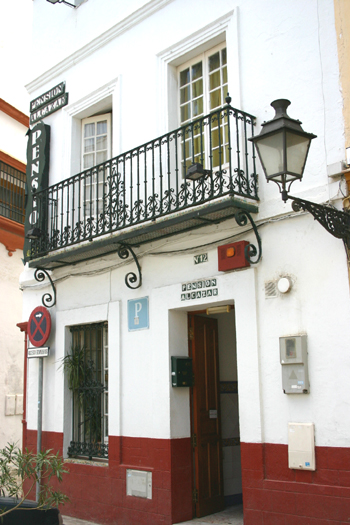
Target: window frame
[(89, 365), (206, 144)]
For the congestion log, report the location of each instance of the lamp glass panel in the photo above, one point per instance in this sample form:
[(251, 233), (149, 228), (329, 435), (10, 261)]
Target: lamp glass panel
[(297, 149), (271, 153)]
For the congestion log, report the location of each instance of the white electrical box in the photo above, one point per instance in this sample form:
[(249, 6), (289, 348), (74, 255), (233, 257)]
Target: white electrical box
[(301, 446), (139, 483), (293, 357)]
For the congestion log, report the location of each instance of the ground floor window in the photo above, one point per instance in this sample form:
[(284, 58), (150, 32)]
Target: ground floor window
[(87, 369)]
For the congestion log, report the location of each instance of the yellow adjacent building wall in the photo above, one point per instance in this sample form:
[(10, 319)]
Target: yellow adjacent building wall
[(342, 26)]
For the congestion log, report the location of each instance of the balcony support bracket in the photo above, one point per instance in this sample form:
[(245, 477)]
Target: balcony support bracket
[(47, 299), (250, 251), (131, 279)]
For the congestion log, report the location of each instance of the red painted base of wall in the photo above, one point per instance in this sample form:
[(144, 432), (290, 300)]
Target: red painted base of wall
[(98, 493), (273, 494)]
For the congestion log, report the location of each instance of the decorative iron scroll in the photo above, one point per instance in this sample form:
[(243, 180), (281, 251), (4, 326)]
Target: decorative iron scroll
[(91, 450), (250, 250), (131, 278), (47, 298), (336, 222)]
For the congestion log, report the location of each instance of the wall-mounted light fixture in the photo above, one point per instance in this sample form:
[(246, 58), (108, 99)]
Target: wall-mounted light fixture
[(196, 171), (224, 309), (283, 147), (63, 2), (34, 234)]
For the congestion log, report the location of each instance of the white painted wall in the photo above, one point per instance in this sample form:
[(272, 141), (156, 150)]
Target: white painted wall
[(12, 137), (11, 348), (283, 50)]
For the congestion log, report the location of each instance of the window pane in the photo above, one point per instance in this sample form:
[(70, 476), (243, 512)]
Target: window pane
[(188, 148), (223, 56), (215, 138), (185, 112), (88, 161), (101, 143), (197, 107), (89, 130), (184, 94), (224, 75), (215, 99), (89, 145), (214, 61), (214, 80), (197, 142), (101, 157), (216, 157), (184, 77), (101, 127), (197, 88), (197, 71)]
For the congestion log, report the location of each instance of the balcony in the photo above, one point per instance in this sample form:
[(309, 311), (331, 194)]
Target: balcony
[(143, 195)]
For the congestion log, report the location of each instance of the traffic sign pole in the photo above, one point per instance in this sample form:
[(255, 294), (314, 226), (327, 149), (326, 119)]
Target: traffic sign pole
[(40, 421)]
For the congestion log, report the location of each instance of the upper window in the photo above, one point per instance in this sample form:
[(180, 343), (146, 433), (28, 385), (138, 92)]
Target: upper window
[(96, 140), (96, 149), (203, 84), (202, 90)]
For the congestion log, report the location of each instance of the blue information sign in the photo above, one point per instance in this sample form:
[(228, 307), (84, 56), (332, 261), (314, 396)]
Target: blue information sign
[(138, 314)]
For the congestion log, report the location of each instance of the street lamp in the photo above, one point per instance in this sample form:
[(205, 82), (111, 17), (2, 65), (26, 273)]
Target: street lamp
[(283, 147)]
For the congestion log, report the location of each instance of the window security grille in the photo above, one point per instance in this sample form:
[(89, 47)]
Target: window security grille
[(12, 190), (89, 385)]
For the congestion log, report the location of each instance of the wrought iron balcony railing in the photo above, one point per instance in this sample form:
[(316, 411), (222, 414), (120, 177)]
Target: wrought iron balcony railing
[(12, 193), (148, 182)]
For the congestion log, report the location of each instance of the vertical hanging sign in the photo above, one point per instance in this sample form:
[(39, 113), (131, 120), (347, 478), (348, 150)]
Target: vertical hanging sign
[(37, 176)]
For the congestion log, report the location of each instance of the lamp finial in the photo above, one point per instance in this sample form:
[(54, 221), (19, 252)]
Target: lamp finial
[(280, 106)]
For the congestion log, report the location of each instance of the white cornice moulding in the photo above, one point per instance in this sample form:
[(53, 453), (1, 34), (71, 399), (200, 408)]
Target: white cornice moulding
[(126, 24), (92, 98)]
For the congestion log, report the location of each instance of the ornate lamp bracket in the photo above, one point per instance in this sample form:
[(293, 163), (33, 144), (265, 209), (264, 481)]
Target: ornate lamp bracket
[(250, 250), (336, 222), (131, 279), (47, 299)]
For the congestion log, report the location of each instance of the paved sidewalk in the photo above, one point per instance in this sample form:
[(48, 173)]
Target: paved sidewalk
[(230, 516)]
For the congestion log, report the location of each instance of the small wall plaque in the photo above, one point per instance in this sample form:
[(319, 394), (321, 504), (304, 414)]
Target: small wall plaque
[(198, 259)]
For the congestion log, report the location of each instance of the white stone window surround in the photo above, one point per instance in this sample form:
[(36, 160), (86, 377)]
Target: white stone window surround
[(224, 29), (92, 314), (102, 100)]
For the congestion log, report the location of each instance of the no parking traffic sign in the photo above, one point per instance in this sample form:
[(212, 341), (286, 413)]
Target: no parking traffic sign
[(39, 326)]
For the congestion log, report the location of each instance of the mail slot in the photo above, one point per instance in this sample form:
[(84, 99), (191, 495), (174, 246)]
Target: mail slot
[(181, 371)]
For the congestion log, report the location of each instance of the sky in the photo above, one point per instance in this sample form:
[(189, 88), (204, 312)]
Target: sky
[(15, 55)]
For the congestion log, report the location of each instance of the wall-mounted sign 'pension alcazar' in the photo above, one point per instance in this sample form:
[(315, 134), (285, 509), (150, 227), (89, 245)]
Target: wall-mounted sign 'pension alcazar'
[(51, 101), (38, 157)]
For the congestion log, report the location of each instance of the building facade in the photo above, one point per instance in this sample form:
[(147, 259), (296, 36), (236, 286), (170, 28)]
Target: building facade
[(13, 126), (198, 345)]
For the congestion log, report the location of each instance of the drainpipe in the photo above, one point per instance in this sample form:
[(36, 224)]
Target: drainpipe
[(23, 328)]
